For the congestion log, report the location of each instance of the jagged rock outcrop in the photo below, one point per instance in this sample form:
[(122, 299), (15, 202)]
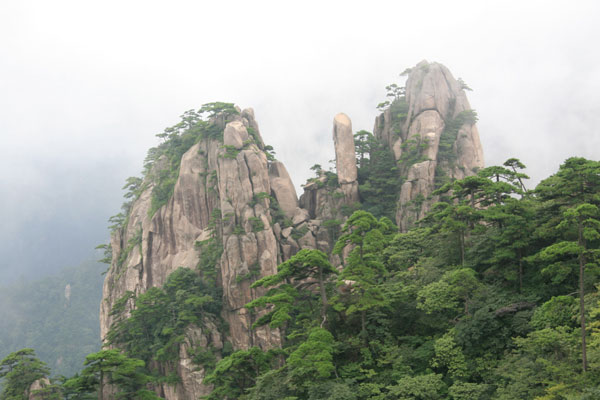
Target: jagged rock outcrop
[(212, 181), (435, 109)]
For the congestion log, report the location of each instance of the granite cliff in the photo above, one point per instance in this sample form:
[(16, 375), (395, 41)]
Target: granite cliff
[(432, 133), (230, 197)]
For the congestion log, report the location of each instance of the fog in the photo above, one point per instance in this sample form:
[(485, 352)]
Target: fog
[(85, 86)]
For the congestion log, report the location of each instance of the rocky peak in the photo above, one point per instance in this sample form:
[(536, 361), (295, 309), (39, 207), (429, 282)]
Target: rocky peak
[(433, 134), (222, 192)]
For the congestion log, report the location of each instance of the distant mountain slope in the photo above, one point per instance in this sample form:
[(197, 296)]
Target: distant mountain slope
[(56, 315)]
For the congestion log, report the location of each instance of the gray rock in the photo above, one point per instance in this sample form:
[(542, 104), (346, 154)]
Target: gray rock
[(286, 232), (434, 98), (283, 189), (235, 134), (300, 216), (343, 140), (277, 230)]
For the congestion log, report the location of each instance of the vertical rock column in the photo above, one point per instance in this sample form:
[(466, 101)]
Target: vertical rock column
[(345, 157)]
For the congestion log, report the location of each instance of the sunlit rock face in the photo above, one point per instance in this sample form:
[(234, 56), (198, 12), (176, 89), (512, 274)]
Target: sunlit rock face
[(435, 109)]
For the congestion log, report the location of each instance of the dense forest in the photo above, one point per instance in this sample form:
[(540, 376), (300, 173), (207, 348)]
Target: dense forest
[(493, 295)]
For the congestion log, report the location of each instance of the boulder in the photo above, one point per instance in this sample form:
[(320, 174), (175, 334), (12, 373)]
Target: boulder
[(283, 189), (235, 134)]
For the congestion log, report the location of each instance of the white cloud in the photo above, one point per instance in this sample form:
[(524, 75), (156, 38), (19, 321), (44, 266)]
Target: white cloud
[(88, 83)]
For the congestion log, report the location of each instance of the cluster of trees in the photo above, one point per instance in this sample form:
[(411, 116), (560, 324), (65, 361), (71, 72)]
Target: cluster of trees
[(493, 295), (378, 175), (126, 376)]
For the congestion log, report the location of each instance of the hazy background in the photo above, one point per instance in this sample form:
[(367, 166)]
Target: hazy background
[(85, 86)]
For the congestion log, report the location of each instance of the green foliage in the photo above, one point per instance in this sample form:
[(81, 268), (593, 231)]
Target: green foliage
[(106, 253), (412, 153), (111, 366), (440, 312), (231, 151), (397, 105), (135, 240), (421, 387), (134, 186), (333, 228), (205, 357), (269, 152), (161, 167), (312, 361), (446, 153), (453, 288), (210, 255), (378, 176), (256, 223), (254, 271), (449, 356), (363, 270), (236, 373), (259, 198), (217, 108), (299, 232), (253, 134), (18, 371), (277, 214), (544, 360), (463, 85), (558, 311), (468, 391), (157, 323), (304, 274)]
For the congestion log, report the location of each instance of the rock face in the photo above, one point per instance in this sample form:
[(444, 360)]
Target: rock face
[(233, 185), (283, 189), (435, 110), (345, 159)]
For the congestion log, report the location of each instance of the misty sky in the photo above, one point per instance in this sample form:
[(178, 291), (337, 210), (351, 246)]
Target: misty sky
[(85, 86)]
